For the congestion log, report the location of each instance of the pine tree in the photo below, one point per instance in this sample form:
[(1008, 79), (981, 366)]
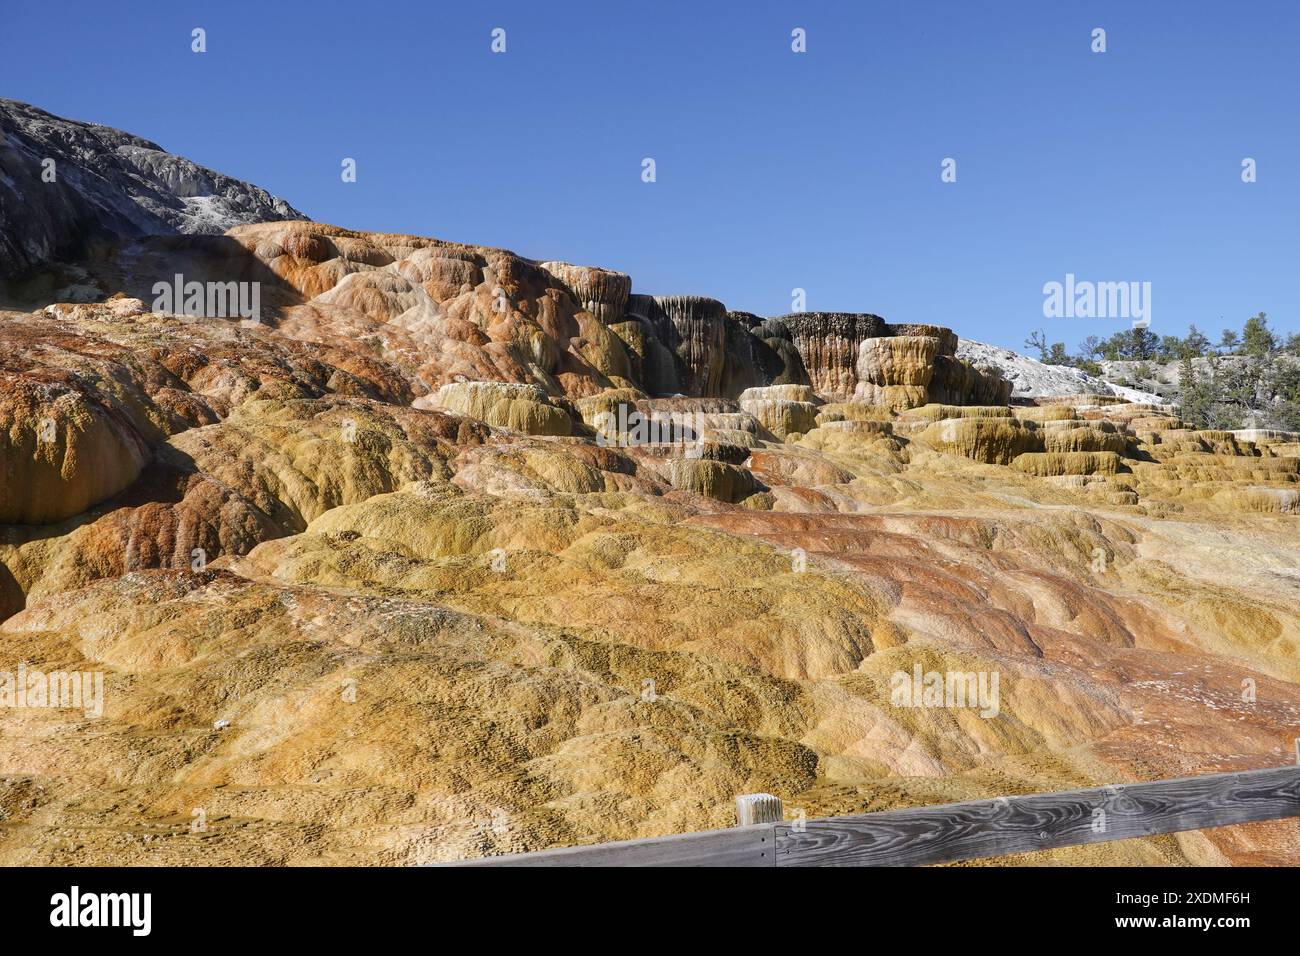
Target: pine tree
[(1257, 338), (1196, 344), (1195, 398)]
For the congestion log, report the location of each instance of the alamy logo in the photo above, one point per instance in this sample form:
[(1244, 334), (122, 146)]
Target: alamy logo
[(71, 690), (1073, 299), (75, 908), (952, 689), (212, 300), (629, 427)]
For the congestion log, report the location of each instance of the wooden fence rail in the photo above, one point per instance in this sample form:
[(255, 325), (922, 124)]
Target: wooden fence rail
[(958, 831)]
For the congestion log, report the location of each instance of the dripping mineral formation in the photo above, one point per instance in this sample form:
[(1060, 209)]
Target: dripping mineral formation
[(365, 584)]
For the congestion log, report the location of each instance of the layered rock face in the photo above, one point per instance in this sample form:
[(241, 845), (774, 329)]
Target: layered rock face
[(602, 293), (456, 553), (784, 410), (456, 598), (447, 313), (521, 408), (106, 185), (958, 382), (916, 364), (693, 329), (828, 344)]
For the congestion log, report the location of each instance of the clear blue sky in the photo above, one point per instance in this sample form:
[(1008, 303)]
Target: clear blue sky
[(775, 170)]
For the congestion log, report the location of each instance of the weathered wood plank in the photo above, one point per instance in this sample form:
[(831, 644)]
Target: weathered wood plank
[(738, 846), (983, 828), (958, 831)]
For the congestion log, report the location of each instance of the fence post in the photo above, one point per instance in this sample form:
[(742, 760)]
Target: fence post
[(752, 808)]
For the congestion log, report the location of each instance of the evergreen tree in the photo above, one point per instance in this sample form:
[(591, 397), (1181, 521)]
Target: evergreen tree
[(1196, 344), (1196, 394), (1257, 338), (1171, 347), (1145, 343)]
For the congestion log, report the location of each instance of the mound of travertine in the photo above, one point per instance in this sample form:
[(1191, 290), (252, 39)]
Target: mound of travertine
[(1051, 464), (996, 441), (782, 409), (447, 312), (63, 449), (458, 553), (88, 392), (911, 366), (522, 408)]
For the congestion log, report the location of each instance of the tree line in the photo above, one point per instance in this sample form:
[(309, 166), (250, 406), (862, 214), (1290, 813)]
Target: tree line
[(1249, 377), (1255, 339)]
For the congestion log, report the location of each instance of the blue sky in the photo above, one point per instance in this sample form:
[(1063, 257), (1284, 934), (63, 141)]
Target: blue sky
[(775, 170)]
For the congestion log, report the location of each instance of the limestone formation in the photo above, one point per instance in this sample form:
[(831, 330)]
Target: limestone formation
[(782, 361), (1082, 436), (441, 607), (752, 361), (828, 344), (959, 382), (995, 441), (913, 366), (713, 479), (599, 291), (443, 553), (1068, 463), (63, 453), (898, 360), (521, 408), (781, 409), (693, 330)]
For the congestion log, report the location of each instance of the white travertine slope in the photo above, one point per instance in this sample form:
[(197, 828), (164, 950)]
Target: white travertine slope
[(1033, 379)]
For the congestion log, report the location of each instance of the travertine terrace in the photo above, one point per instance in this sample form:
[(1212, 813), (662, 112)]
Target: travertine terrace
[(386, 538)]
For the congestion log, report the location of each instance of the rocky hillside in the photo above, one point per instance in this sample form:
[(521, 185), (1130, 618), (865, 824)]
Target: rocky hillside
[(1224, 391), (1031, 378), (400, 573), (65, 183)]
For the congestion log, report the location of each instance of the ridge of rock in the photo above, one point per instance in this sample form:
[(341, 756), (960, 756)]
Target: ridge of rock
[(108, 184)]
